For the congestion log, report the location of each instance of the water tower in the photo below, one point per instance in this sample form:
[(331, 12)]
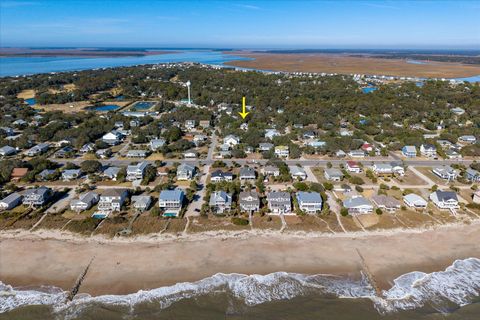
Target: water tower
[(188, 87)]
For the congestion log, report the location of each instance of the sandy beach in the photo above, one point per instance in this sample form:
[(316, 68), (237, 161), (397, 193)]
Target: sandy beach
[(334, 63), (126, 266)]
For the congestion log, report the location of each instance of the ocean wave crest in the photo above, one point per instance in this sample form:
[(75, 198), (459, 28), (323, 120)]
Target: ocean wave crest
[(458, 284)]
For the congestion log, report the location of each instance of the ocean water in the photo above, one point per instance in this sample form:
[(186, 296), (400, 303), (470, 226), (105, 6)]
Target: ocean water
[(450, 294), (14, 66)]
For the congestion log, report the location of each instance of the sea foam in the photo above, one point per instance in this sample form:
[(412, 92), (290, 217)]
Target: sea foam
[(459, 284)]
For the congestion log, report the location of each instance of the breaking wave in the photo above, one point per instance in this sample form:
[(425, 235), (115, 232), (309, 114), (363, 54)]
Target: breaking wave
[(458, 285)]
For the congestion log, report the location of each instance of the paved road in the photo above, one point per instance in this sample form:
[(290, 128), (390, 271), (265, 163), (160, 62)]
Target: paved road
[(196, 205), (303, 162)]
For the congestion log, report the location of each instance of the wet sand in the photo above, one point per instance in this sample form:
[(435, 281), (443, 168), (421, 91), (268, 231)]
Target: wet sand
[(122, 267), (335, 63)]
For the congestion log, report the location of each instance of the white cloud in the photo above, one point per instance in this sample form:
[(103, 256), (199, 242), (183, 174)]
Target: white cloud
[(247, 6)]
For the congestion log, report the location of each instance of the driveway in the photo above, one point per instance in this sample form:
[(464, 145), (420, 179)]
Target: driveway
[(62, 203)]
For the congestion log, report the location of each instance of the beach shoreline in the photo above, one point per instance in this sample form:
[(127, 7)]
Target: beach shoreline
[(123, 266)]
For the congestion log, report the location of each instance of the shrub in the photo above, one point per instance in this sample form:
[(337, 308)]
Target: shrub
[(328, 186), (359, 189), (344, 212), (239, 221), (378, 211)]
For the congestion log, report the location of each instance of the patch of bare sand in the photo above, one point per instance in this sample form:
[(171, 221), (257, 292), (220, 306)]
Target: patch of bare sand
[(127, 265)]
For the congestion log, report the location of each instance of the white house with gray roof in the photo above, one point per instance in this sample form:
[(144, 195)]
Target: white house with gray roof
[(185, 171), (36, 197), (141, 202), (333, 174), (84, 201), (38, 149), (71, 174), (249, 201), (415, 201), (220, 201), (111, 200), (7, 151), (386, 203), (297, 172), (358, 205), (247, 174), (279, 202), (135, 172), (445, 172), (156, 144), (11, 201), (445, 199), (309, 202)]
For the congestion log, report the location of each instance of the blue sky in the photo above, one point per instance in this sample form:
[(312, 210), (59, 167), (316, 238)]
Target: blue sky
[(245, 24)]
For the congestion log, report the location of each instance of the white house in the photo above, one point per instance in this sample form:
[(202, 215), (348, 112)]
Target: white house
[(382, 169), (36, 196), (135, 172), (156, 144), (297, 172), (445, 199), (282, 151), (38, 149), (353, 166), (231, 140), (358, 205), (185, 171), (428, 150), (333, 174), (112, 138), (171, 201), (415, 201), (11, 201), (84, 201), (445, 172), (220, 175), (279, 202), (271, 171), (467, 139), (386, 203), (111, 200), (409, 151), (357, 153), (309, 202), (142, 202), (7, 151), (220, 201), (271, 133)]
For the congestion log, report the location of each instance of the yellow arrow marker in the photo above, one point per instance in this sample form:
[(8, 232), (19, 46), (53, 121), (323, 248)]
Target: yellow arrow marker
[(244, 112)]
